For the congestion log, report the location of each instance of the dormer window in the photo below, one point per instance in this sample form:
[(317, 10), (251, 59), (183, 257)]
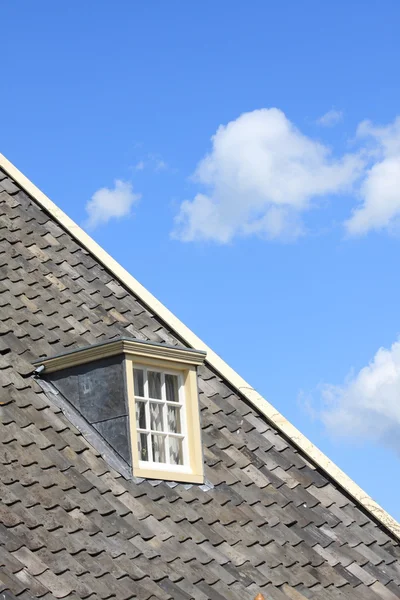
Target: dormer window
[(142, 399)]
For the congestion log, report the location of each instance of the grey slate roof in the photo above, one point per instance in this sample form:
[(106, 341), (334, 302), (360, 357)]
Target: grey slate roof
[(72, 527)]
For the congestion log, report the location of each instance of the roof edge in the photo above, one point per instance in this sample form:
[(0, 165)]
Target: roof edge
[(215, 361)]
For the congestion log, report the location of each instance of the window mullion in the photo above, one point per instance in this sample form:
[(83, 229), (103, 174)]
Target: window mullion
[(148, 434), (165, 412), (165, 416), (163, 392), (145, 383), (147, 413)]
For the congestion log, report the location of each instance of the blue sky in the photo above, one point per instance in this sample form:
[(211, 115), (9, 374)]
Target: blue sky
[(257, 248)]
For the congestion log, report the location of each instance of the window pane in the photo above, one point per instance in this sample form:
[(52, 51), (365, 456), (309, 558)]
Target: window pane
[(142, 446), (138, 382), (154, 380), (141, 414), (171, 387), (158, 444), (156, 417), (174, 419), (175, 451)]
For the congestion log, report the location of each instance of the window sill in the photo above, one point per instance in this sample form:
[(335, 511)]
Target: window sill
[(180, 475)]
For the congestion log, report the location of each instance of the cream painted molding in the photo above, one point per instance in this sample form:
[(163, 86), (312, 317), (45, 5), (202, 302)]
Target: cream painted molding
[(226, 372), (144, 350)]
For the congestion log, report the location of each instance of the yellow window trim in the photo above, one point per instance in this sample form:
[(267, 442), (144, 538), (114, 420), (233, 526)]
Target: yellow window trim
[(193, 473), (216, 362)]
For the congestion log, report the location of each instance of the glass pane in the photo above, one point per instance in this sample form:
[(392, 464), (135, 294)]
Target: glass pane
[(142, 446), (156, 417), (138, 382), (175, 451), (171, 387), (158, 444), (154, 380), (141, 414), (174, 419)]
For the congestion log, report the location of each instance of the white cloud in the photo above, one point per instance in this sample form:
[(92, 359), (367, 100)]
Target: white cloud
[(380, 191), (110, 203), (139, 166), (368, 404), (260, 175), (331, 118)]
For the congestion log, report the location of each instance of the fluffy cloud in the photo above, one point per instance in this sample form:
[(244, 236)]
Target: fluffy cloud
[(368, 405), (380, 191), (331, 118), (260, 175), (110, 203)]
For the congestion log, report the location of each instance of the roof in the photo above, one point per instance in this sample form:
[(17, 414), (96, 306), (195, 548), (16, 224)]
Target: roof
[(278, 516)]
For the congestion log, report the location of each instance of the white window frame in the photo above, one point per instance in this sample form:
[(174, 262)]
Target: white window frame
[(145, 464)]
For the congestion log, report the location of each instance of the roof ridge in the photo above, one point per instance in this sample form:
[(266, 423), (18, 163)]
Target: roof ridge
[(262, 405)]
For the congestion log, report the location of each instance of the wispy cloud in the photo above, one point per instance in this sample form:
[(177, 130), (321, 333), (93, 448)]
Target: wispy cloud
[(110, 203), (160, 164), (153, 162), (367, 404), (262, 173), (330, 118)]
